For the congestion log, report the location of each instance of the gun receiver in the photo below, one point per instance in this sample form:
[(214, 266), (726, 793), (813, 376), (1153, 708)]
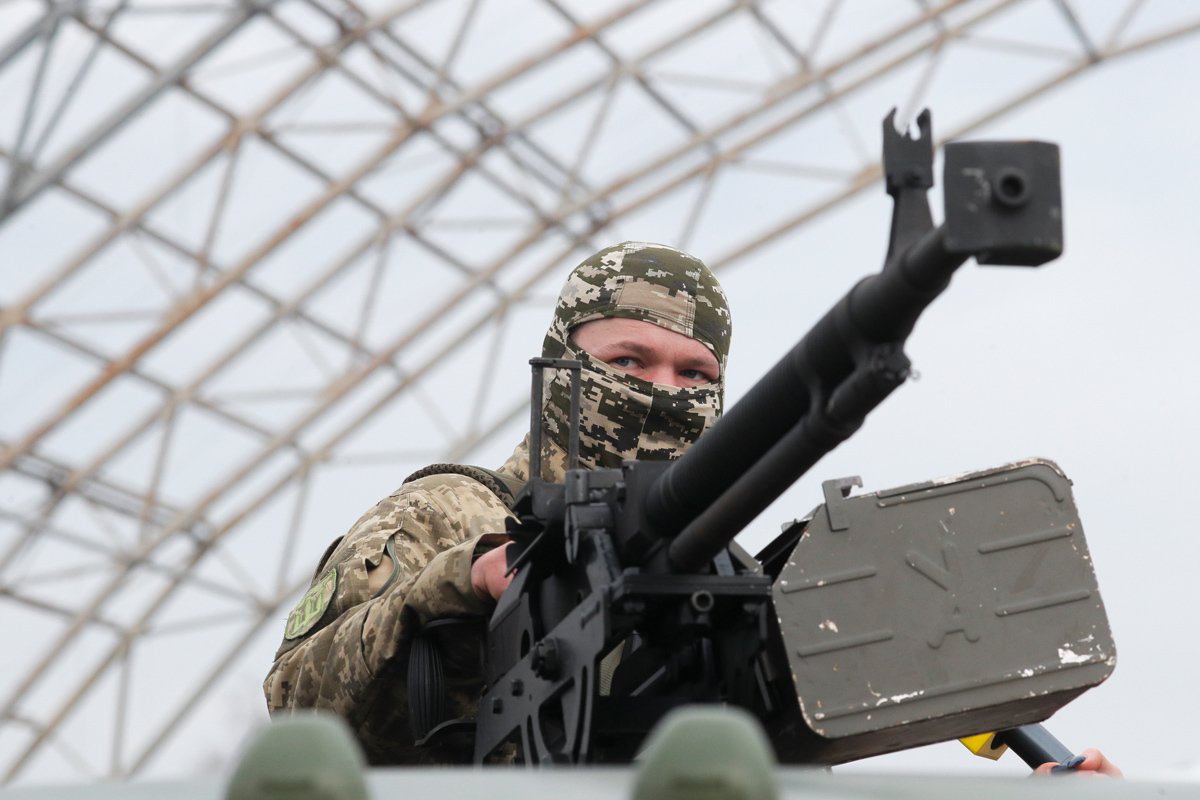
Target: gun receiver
[(630, 596)]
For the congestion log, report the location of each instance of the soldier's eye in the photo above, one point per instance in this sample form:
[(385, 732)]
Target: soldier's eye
[(624, 362), (694, 375)]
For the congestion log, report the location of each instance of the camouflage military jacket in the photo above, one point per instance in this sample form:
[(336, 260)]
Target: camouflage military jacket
[(345, 649)]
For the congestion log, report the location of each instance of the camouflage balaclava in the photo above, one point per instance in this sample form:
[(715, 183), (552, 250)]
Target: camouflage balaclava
[(623, 417)]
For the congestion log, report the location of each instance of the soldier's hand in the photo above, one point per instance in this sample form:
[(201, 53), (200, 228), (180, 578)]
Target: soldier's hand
[(1094, 763), (487, 574)]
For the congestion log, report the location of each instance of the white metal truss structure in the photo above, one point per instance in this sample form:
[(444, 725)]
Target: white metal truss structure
[(260, 259)]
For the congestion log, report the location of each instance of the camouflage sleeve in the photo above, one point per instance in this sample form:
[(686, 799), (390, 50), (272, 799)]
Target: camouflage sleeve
[(344, 648)]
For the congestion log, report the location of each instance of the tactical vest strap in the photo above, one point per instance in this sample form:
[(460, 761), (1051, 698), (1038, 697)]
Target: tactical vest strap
[(503, 486)]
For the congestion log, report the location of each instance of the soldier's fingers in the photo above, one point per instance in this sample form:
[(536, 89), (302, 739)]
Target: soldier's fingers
[(1090, 762), (488, 577), (1094, 761), (502, 577)]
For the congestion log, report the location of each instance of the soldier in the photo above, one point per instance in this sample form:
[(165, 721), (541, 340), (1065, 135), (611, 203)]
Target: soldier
[(652, 328)]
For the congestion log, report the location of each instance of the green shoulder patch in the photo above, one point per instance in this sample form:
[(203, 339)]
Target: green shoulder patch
[(312, 606)]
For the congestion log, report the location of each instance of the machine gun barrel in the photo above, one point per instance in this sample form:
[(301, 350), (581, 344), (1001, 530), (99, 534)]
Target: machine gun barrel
[(814, 398), (1003, 206)]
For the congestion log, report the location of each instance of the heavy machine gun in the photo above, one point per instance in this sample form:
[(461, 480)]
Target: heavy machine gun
[(631, 598)]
